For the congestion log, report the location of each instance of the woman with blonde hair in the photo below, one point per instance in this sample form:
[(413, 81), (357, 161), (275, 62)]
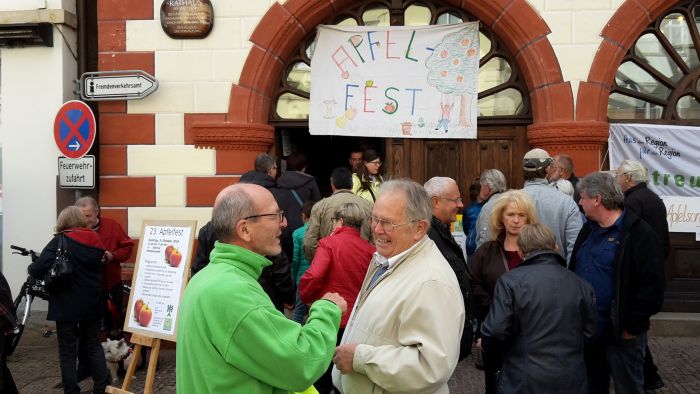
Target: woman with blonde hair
[(76, 308), (513, 210)]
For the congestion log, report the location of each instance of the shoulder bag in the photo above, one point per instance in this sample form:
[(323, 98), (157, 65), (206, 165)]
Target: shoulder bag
[(60, 274)]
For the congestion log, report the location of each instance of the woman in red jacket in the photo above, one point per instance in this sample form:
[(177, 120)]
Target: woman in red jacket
[(339, 265)]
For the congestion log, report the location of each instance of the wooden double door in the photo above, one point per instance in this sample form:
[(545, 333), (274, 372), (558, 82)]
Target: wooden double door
[(500, 147)]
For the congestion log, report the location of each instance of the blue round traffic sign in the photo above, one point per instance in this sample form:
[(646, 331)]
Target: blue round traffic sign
[(74, 129)]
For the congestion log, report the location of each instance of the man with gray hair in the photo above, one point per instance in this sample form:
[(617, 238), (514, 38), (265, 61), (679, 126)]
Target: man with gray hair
[(493, 182), (446, 203), (632, 177), (403, 334), (232, 325), (554, 209), (619, 254)]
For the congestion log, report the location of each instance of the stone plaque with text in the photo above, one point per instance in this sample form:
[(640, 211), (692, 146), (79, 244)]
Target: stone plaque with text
[(187, 18)]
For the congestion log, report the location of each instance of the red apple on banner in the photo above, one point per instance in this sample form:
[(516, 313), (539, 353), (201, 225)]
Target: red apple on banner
[(145, 315), (175, 258)]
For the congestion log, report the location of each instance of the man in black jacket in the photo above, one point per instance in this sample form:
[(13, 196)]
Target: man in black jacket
[(620, 255), (447, 202), (275, 279), (632, 176)]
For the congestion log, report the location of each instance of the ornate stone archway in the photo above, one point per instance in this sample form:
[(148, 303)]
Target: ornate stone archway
[(285, 25)]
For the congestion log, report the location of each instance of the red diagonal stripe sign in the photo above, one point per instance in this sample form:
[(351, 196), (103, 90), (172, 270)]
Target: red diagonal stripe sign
[(74, 129)]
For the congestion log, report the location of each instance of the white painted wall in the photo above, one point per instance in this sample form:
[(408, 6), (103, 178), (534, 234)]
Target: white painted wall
[(35, 82), (575, 33)]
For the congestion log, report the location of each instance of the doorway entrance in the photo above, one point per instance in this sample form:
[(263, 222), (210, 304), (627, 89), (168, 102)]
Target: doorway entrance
[(323, 152)]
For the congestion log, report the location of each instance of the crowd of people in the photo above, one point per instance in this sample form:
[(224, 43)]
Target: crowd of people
[(554, 287), (367, 290)]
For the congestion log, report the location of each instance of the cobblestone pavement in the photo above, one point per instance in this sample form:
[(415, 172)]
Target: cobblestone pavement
[(35, 366)]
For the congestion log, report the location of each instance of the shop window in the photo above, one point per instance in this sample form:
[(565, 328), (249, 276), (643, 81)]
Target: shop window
[(658, 78), (502, 93)]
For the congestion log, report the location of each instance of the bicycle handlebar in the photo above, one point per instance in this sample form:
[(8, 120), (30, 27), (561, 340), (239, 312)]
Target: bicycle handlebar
[(22, 251)]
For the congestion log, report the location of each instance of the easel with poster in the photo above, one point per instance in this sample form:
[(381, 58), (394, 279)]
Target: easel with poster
[(160, 276)]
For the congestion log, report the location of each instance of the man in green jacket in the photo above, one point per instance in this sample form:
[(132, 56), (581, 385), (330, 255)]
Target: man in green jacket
[(232, 339)]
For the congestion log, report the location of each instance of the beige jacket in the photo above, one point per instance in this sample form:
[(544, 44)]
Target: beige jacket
[(320, 222), (408, 325)]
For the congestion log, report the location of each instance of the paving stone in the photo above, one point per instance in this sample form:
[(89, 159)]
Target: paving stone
[(35, 368)]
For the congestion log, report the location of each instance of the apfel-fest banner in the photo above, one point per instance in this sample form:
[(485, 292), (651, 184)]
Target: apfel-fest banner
[(160, 276), (671, 154), (395, 81)]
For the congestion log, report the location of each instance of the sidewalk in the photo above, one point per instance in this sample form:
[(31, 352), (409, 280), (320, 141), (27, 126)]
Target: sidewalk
[(35, 367)]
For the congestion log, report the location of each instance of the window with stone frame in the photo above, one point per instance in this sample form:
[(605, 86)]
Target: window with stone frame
[(659, 78), (502, 97)]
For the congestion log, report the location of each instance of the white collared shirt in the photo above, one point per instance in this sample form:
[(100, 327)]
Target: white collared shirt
[(391, 261)]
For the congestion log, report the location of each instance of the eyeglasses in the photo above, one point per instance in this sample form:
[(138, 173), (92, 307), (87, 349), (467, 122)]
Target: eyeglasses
[(375, 162), (621, 174), (386, 225), (454, 200), (279, 215)]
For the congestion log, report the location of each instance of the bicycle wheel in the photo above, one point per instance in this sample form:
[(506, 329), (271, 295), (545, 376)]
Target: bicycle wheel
[(20, 305)]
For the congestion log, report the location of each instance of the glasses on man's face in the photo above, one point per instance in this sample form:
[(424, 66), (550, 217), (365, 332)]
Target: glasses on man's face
[(385, 225), (454, 200), (375, 162), (279, 215)]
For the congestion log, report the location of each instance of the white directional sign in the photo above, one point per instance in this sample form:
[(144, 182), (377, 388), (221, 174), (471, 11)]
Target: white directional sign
[(117, 85), (76, 173)]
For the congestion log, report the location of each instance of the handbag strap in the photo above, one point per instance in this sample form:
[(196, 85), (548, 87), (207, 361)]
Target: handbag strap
[(297, 197), (62, 244)]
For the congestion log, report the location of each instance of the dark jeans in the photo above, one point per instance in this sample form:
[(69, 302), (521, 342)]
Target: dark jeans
[(300, 310), (624, 362), (651, 372), (324, 384), (491, 367), (87, 334)]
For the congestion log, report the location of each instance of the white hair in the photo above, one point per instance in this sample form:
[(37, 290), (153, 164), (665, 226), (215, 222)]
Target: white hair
[(634, 170), (437, 186)]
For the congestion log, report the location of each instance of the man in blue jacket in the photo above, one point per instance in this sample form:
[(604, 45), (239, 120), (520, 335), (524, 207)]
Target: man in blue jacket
[(620, 255)]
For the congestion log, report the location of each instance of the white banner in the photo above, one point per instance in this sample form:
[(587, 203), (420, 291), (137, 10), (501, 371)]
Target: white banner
[(398, 81), (672, 156), (670, 153)]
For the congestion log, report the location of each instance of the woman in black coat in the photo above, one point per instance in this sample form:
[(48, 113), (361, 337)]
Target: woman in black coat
[(77, 308)]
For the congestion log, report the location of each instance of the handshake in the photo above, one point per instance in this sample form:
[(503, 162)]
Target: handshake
[(336, 299)]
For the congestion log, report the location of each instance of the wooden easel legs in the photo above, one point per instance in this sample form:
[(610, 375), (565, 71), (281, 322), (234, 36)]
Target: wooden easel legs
[(140, 341)]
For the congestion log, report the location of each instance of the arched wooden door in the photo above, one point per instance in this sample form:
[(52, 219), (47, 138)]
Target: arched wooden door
[(503, 102)]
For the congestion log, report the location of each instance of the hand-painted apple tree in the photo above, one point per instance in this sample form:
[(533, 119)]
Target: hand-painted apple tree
[(453, 68)]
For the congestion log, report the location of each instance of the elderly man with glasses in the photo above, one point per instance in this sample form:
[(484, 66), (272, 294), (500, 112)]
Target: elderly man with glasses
[(231, 325), (446, 203), (404, 332)]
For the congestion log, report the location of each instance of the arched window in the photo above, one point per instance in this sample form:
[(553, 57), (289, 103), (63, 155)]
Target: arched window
[(502, 98), (659, 77)]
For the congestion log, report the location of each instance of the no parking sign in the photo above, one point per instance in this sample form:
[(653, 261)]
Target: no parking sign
[(74, 129)]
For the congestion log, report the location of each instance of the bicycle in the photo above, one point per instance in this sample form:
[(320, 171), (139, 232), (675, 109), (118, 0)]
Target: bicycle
[(23, 303)]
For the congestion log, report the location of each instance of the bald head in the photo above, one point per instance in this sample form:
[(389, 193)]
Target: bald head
[(247, 215), (232, 204)]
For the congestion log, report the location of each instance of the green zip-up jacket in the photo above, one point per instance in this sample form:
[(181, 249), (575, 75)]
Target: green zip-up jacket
[(231, 339)]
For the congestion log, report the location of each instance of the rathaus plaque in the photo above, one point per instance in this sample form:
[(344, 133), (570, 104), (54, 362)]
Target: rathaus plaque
[(187, 18)]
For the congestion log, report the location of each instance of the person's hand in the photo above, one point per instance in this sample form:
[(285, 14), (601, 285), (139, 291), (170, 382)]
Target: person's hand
[(336, 299), (288, 306), (478, 344), (108, 255), (343, 356), (626, 335)]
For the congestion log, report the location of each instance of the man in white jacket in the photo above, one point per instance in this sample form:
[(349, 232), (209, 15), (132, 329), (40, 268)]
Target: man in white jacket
[(404, 332)]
